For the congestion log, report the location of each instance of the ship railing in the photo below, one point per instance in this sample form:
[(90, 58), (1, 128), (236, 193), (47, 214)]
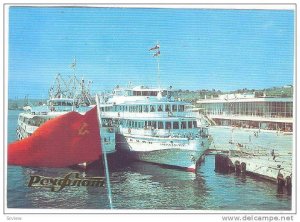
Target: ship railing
[(145, 114), (27, 128), (174, 133)]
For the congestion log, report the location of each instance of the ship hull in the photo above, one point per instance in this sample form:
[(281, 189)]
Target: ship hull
[(184, 154)]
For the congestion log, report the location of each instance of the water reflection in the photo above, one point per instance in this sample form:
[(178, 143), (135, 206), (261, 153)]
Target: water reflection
[(147, 186)]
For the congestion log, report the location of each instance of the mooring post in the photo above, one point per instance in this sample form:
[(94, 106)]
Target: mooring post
[(288, 185), (280, 183)]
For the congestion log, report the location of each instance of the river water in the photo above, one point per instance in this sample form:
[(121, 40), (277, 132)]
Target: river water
[(139, 185)]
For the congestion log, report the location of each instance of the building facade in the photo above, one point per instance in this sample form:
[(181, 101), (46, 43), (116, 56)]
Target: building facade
[(246, 110)]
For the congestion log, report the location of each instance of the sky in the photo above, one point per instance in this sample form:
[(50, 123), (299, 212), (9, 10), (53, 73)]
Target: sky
[(200, 48)]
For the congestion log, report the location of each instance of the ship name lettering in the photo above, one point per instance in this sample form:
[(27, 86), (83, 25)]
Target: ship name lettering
[(71, 179)]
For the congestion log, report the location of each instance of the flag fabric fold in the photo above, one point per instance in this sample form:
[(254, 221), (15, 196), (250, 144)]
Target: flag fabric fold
[(66, 140)]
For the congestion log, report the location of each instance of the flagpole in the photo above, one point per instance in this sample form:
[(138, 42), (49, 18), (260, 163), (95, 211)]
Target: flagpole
[(109, 193), (157, 54), (158, 73)]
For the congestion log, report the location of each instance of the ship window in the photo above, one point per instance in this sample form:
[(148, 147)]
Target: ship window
[(167, 109), (153, 124), (183, 125), (146, 108), (139, 93), (195, 124), (175, 125), (135, 124), (152, 108), (168, 125), (159, 108), (145, 93), (134, 93), (140, 109), (174, 108), (160, 125), (181, 108), (190, 124), (153, 93)]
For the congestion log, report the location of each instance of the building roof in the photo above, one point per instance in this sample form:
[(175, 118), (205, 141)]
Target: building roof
[(236, 100)]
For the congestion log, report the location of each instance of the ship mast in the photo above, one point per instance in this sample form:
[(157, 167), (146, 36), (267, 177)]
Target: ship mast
[(81, 88)]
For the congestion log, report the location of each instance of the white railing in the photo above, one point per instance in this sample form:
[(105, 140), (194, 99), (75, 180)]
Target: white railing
[(145, 115), (176, 133), (27, 128)]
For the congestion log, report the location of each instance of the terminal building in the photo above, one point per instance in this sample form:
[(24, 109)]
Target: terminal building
[(248, 111)]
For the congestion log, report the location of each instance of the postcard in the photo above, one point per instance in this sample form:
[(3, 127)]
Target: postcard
[(159, 108)]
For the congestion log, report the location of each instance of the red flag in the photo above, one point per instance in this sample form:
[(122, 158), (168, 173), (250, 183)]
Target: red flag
[(155, 47), (157, 54), (63, 141)]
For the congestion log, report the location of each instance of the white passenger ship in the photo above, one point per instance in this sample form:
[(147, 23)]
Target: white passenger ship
[(153, 127), (64, 98)]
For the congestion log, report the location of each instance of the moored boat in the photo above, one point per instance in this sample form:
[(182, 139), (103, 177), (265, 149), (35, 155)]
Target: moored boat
[(153, 127)]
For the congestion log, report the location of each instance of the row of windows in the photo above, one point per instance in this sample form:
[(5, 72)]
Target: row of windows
[(273, 109), (145, 108), (148, 93), (160, 124), (60, 103), (33, 121)]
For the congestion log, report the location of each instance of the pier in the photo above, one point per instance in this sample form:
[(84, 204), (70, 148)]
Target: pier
[(272, 167), (260, 153)]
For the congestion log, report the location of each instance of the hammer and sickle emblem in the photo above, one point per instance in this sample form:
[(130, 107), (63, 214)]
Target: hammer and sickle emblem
[(83, 129)]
